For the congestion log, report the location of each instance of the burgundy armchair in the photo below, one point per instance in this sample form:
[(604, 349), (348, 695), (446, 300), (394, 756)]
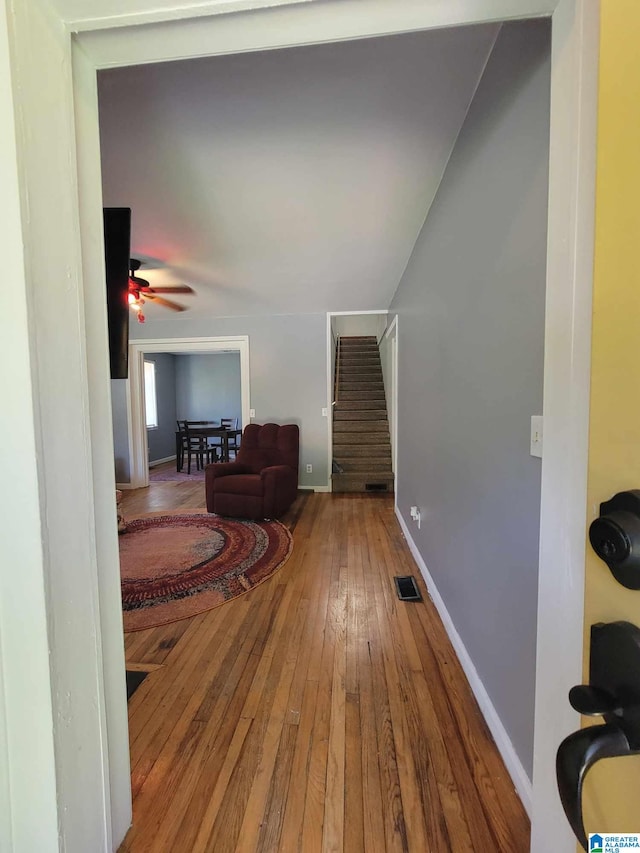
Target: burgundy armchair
[(263, 480)]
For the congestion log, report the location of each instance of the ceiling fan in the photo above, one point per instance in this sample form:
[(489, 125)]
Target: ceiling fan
[(140, 290)]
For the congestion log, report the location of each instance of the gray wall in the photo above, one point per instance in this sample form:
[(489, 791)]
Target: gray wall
[(471, 308), (359, 324), (120, 429), (161, 441), (208, 386), (288, 368)]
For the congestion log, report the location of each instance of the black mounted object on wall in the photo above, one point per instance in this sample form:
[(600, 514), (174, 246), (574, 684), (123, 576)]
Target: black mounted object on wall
[(615, 537), (117, 240), (613, 692)]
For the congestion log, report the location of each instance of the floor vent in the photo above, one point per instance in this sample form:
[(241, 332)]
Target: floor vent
[(376, 487), (407, 588)]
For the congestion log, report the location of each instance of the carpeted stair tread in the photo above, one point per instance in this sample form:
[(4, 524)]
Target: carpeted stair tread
[(366, 367), (348, 451), (362, 385), (361, 437), (359, 415), (339, 427), (348, 396), (367, 463), (360, 405)]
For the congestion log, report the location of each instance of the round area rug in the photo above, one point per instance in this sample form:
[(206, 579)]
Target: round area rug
[(174, 566)]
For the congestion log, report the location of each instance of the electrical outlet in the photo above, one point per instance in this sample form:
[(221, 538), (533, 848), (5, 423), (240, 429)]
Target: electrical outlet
[(309, 469), (536, 435)]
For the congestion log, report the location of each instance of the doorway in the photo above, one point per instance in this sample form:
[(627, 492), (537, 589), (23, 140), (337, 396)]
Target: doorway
[(138, 446), (346, 323), (569, 279)]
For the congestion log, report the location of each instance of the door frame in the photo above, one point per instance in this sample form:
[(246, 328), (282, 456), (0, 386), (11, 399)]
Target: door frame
[(392, 332), (575, 32), (330, 378), (138, 446), (567, 354)]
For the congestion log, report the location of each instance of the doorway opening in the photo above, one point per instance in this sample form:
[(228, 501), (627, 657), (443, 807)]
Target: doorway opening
[(192, 385), (564, 270)]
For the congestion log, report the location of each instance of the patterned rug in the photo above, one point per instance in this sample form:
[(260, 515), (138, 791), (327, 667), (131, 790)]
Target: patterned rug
[(175, 566)]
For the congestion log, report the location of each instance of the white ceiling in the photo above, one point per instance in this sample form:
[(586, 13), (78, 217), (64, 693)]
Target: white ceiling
[(287, 181)]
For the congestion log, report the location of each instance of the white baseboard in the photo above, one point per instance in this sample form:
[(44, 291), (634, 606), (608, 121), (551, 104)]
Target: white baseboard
[(124, 486), (323, 489), (503, 742), (160, 461), (314, 488)]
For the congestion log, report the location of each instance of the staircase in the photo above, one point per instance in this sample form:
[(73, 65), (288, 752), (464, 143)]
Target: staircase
[(361, 441)]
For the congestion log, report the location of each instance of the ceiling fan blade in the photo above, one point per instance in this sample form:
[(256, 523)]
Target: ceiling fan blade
[(170, 288), (166, 302)]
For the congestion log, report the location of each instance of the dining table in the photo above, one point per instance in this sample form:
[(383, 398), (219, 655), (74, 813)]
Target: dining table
[(224, 433)]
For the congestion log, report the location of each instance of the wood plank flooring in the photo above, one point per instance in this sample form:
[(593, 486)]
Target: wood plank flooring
[(316, 713)]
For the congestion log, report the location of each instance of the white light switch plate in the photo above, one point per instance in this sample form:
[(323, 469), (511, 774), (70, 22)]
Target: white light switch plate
[(252, 413), (324, 413), (536, 435)]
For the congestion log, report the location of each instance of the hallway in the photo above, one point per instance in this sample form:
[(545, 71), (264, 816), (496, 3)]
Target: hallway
[(317, 712)]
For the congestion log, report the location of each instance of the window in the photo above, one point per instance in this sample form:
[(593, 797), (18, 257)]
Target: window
[(150, 401)]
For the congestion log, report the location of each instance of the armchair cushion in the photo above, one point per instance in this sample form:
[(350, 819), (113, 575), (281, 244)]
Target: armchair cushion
[(227, 469), (240, 484)]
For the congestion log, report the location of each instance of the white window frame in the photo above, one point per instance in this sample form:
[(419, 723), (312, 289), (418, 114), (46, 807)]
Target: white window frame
[(150, 395)]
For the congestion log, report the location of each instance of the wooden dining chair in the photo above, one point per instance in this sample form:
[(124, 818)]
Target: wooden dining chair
[(196, 445), (231, 423)]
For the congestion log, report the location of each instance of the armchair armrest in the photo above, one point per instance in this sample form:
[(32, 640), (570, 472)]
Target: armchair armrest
[(214, 472), (279, 472), (280, 485)]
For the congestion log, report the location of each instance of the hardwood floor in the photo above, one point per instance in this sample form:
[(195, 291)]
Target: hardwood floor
[(316, 713)]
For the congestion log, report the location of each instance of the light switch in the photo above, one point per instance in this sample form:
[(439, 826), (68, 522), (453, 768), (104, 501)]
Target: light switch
[(324, 412), (536, 435), (252, 413)]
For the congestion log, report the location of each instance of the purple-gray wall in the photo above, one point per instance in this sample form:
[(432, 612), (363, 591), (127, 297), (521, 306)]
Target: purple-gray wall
[(162, 440), (471, 335)]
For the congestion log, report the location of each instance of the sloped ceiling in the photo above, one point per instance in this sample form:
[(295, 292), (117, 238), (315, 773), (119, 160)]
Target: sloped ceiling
[(287, 181)]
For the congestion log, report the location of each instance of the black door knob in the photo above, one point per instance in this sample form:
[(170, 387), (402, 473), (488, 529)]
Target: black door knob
[(615, 537)]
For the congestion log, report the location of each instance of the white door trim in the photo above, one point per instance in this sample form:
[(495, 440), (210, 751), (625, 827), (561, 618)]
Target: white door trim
[(567, 369), (138, 450), (329, 404), (392, 331)]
